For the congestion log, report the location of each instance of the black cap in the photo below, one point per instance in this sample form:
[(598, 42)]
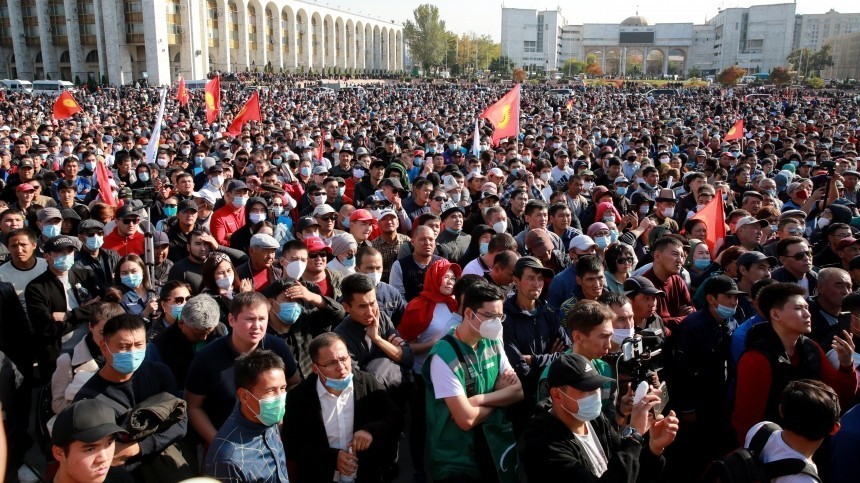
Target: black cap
[(376, 162), (639, 284), (305, 223), (748, 258), (575, 371), (393, 183), (722, 284), (127, 210), (90, 224), (186, 205), (534, 264), (273, 289), (87, 421), (59, 243)]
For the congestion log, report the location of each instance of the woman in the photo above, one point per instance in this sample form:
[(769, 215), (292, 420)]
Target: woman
[(343, 248), (136, 293), (601, 235), (695, 229), (256, 211), (168, 210), (698, 260), (172, 298), (478, 245), (619, 263), (220, 282), (281, 219)]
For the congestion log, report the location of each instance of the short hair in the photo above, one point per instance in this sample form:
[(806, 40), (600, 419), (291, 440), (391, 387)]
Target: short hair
[(809, 408), (588, 264), (326, 339), (836, 226), (123, 321), (666, 241), (480, 293), (30, 234), (294, 245), (556, 207), (613, 299), (585, 315), (756, 288), (365, 251), (501, 242), (357, 283), (506, 258), (182, 175), (104, 311), (776, 295), (534, 205), (242, 300), (782, 245), (197, 232), (463, 284), (201, 313), (248, 367), (851, 302), (425, 218), (828, 273), (11, 211)]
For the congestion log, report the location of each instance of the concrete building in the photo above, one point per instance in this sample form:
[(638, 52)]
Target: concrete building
[(125, 40), (812, 31), (533, 39), (846, 57)]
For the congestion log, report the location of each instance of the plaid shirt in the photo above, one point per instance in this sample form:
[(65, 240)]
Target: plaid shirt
[(389, 252), (246, 450)]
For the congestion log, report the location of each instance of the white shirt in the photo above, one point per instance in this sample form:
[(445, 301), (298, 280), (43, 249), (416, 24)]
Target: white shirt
[(776, 449), (446, 383), (338, 413), (442, 322), (475, 267), (20, 278), (591, 445), (558, 174)]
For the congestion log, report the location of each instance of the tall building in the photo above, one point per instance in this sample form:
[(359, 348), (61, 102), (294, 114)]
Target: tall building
[(812, 31), (846, 57), (533, 39), (126, 40)]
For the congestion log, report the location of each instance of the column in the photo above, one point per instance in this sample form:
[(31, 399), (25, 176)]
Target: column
[(622, 62), (155, 37), (277, 34), (244, 60), (73, 31), (340, 39), (202, 15), (50, 63), (645, 62), (666, 63), (383, 50), (194, 40), (224, 35), (23, 64), (603, 59), (100, 36)]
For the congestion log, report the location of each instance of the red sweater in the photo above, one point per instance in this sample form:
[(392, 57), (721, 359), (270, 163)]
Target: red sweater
[(675, 305), (753, 387), (125, 245), (225, 222)]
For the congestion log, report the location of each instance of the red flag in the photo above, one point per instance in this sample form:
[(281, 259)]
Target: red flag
[(714, 216), (213, 99), (66, 106), (569, 104), (504, 115), (103, 180), (618, 83), (321, 147), (736, 132), (250, 112), (182, 93)]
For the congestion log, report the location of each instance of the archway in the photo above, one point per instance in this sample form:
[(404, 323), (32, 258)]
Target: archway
[(592, 56), (633, 62), (677, 62), (654, 66), (11, 68), (66, 66), (38, 67), (613, 62), (176, 64)]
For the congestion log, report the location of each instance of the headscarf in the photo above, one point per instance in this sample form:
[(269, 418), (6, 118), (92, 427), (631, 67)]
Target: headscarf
[(603, 207), (419, 311)]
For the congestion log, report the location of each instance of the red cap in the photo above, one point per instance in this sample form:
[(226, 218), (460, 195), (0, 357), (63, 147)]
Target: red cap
[(361, 215), (316, 244), (25, 187)]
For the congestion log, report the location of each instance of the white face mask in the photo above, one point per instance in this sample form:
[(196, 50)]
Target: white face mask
[(224, 282), (490, 329), (295, 269), (319, 199), (375, 277), (256, 217), (545, 176), (588, 185), (162, 162), (618, 335), (668, 212), (822, 222), (500, 226)]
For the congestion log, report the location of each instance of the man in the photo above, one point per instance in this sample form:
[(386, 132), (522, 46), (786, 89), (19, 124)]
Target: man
[(752, 267), (675, 302), (260, 268), (316, 272), (10, 219), (248, 446), (229, 218), (516, 209), (463, 395), (539, 244), (125, 380), (340, 420), (361, 226), (533, 336), (326, 216), (419, 202), (49, 222), (501, 274), (127, 237), (560, 223), (407, 273), (23, 265), (200, 245), (368, 261), (297, 310), (564, 283), (83, 443), (92, 256), (590, 284), (537, 217), (452, 237), (368, 186), (574, 441), (389, 241), (748, 231), (484, 263), (786, 227), (59, 301), (210, 388), (664, 210), (846, 250), (836, 232), (833, 285), (796, 258), (180, 229)]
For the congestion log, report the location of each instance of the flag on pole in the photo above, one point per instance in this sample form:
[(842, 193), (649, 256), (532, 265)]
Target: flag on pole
[(714, 216), (213, 99), (182, 93), (504, 115), (103, 180), (66, 106), (570, 104), (736, 132), (155, 137), (250, 112), (321, 147), (476, 142)]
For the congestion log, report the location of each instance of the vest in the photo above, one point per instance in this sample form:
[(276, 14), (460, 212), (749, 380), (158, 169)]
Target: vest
[(452, 450), (413, 275)]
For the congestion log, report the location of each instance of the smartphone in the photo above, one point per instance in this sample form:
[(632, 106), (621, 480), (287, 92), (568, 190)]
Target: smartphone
[(664, 399), (844, 322)]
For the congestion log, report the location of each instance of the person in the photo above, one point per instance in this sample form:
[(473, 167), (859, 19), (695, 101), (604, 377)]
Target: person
[(497, 243), (619, 260), (389, 242), (127, 379), (260, 269), (461, 405), (537, 217), (229, 218), (316, 271), (127, 236), (752, 267), (340, 422), (92, 255), (248, 446), (574, 441), (181, 227), (256, 212), (210, 389), (134, 290), (844, 463), (407, 273), (343, 249), (200, 246), (643, 298), (780, 352), (795, 256), (675, 302), (84, 443), (368, 260), (564, 283), (590, 283), (834, 284)]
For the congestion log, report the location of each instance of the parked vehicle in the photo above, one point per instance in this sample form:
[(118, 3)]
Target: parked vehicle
[(51, 87), (17, 86)]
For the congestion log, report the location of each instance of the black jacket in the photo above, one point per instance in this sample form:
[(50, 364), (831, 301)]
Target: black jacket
[(306, 442), (103, 267), (549, 452)]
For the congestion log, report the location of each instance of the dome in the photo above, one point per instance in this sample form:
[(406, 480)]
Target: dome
[(635, 21)]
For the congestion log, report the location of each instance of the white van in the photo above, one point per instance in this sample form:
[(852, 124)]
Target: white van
[(196, 85), (51, 87), (17, 85)]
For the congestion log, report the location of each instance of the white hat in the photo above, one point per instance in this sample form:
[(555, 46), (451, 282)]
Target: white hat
[(581, 242)]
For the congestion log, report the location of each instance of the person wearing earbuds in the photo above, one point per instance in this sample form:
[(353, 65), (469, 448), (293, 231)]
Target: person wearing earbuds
[(571, 439), (248, 446)]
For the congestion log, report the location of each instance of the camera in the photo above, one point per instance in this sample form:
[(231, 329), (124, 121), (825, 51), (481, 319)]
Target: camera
[(641, 356)]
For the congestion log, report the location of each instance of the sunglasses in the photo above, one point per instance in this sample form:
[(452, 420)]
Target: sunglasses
[(131, 221), (799, 256), (440, 199), (170, 206), (328, 217), (317, 255), (623, 260), (178, 300)]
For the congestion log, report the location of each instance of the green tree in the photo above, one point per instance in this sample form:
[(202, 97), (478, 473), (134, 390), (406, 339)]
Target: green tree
[(815, 82), (694, 72), (426, 37), (502, 65), (730, 76), (779, 76), (807, 62), (573, 67)]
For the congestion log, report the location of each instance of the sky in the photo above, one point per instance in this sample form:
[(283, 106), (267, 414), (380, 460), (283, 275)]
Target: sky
[(485, 16)]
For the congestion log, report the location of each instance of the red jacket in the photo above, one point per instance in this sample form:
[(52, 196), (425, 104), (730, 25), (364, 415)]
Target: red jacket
[(125, 245)]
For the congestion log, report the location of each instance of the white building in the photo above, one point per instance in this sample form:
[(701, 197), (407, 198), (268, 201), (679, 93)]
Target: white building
[(533, 39), (125, 40), (813, 30)]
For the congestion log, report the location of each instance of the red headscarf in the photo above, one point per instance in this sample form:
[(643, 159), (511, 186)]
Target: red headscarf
[(419, 311)]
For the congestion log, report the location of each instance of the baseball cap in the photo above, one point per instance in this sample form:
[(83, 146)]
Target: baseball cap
[(534, 264), (751, 220), (25, 187), (306, 222), (387, 212), (236, 184), (474, 174), (323, 209), (320, 170), (361, 215), (127, 210), (262, 240), (316, 244), (844, 243), (639, 284), (581, 242), (87, 421), (49, 214), (621, 179), (159, 239), (59, 243), (575, 371), (748, 258), (722, 284), (394, 183), (26, 163)]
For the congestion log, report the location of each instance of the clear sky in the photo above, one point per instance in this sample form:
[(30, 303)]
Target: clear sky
[(485, 16)]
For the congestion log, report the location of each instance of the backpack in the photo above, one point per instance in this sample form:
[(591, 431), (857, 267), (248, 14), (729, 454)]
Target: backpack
[(744, 465)]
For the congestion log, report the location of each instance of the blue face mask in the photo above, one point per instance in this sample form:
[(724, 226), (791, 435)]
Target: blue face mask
[(239, 201), (621, 190), (51, 231), (170, 210), (338, 384), (289, 312), (176, 311), (132, 280), (305, 171), (602, 241), (483, 248), (348, 262), (64, 262), (701, 263), (613, 236), (725, 312), (90, 166), (128, 362), (198, 161), (95, 242), (346, 223), (144, 176)]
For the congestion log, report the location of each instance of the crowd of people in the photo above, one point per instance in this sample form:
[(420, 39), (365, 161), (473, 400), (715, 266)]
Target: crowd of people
[(364, 275)]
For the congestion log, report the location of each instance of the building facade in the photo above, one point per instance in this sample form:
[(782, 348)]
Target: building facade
[(757, 39), (846, 57), (122, 41)]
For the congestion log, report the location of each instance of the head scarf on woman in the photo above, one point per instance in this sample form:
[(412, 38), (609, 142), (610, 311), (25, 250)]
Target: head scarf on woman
[(419, 311)]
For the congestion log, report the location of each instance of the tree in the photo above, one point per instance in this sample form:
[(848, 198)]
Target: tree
[(779, 76), (815, 82), (502, 65), (573, 67), (519, 76), (730, 76), (811, 63), (594, 69), (694, 72), (426, 37)]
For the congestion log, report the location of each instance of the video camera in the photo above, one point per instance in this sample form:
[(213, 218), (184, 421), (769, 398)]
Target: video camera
[(640, 356)]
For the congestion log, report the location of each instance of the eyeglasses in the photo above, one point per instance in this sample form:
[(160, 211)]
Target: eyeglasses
[(341, 361), (487, 317), (328, 217), (170, 206), (801, 255), (440, 199), (131, 221), (317, 255), (178, 300), (623, 260)]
